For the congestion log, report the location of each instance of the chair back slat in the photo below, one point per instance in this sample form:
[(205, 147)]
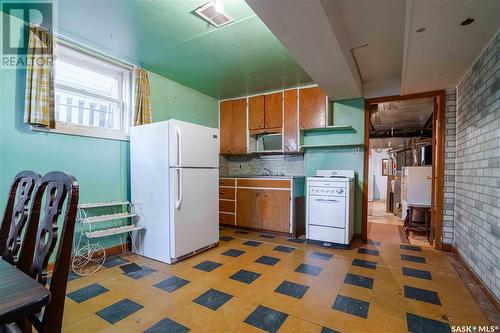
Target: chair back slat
[(56, 191), (16, 214)]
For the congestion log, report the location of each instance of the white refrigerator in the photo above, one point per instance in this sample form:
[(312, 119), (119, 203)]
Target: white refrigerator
[(416, 187), (174, 185)]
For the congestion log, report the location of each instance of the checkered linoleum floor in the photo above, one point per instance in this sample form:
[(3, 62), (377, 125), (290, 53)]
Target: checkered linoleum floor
[(251, 283)]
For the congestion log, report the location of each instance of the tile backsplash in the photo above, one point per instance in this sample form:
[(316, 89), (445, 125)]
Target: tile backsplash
[(244, 165)]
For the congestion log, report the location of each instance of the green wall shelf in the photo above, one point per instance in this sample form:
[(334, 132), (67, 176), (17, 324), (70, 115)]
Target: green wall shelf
[(356, 145), (330, 128)]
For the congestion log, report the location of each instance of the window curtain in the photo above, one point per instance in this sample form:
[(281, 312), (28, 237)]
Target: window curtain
[(39, 103), (142, 106)]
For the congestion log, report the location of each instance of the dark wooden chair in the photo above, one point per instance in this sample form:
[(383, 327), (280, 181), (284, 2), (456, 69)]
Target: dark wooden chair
[(16, 214), (57, 190), (412, 225)]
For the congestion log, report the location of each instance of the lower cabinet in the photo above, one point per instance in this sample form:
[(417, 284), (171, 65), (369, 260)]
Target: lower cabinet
[(226, 218), (249, 208), (262, 204), (276, 210), (263, 209), (227, 201)]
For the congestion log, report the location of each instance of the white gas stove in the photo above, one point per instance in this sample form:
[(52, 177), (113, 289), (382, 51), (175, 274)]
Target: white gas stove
[(330, 207)]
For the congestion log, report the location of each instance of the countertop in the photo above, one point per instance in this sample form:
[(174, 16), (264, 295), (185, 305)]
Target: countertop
[(264, 177)]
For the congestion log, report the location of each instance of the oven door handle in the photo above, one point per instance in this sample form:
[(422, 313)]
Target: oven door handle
[(326, 200)]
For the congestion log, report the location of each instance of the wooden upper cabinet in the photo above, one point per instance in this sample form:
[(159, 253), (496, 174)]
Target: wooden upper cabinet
[(249, 208), (239, 128), (273, 110), (233, 126), (256, 112), (312, 108), (290, 123), (275, 210), (226, 116)]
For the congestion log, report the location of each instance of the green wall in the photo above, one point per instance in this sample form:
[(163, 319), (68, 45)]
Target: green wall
[(173, 100), (348, 112), (345, 113), (101, 166)]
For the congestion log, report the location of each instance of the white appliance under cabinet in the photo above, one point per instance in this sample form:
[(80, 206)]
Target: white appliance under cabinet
[(416, 187), (330, 207), (175, 177)]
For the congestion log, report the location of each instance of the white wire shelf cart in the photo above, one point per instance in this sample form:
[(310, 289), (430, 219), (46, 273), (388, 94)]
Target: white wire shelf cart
[(88, 253)]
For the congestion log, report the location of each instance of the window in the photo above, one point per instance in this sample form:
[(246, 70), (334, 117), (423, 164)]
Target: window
[(92, 96)]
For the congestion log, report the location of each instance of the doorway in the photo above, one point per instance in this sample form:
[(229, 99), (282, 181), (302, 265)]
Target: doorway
[(404, 167)]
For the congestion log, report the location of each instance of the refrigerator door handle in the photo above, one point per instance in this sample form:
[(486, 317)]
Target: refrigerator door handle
[(179, 144), (178, 202)]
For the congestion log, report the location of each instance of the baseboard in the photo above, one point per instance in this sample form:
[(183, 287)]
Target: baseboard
[(446, 247), (489, 295), (109, 252)]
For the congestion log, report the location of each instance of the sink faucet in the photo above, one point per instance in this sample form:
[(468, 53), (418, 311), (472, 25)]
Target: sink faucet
[(270, 173)]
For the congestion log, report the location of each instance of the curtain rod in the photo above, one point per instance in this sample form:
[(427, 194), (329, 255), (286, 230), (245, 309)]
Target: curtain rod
[(71, 43), (66, 41)]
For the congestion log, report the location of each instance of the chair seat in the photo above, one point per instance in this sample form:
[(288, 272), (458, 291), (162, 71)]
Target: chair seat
[(9, 328)]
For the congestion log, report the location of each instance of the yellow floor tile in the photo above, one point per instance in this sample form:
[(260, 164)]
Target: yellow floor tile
[(387, 303)]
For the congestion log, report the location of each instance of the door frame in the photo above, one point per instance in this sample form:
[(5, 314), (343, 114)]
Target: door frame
[(438, 132)]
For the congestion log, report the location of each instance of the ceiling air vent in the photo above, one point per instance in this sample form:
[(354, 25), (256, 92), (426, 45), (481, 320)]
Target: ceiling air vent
[(213, 15)]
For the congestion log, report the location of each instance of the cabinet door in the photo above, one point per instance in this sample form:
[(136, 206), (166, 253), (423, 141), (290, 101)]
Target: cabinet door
[(276, 210), (290, 124), (248, 208), (256, 112), (312, 108), (239, 126), (227, 219), (226, 116), (273, 110)]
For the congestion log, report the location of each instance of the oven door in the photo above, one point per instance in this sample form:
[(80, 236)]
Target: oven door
[(328, 211)]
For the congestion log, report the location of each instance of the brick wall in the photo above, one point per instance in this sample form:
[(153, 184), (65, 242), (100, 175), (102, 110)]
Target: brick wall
[(449, 165), (477, 173)]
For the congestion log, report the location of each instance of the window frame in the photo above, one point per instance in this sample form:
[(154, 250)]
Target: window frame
[(92, 60)]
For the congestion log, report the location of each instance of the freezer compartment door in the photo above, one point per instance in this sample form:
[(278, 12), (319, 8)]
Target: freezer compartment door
[(195, 209), (193, 145)]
